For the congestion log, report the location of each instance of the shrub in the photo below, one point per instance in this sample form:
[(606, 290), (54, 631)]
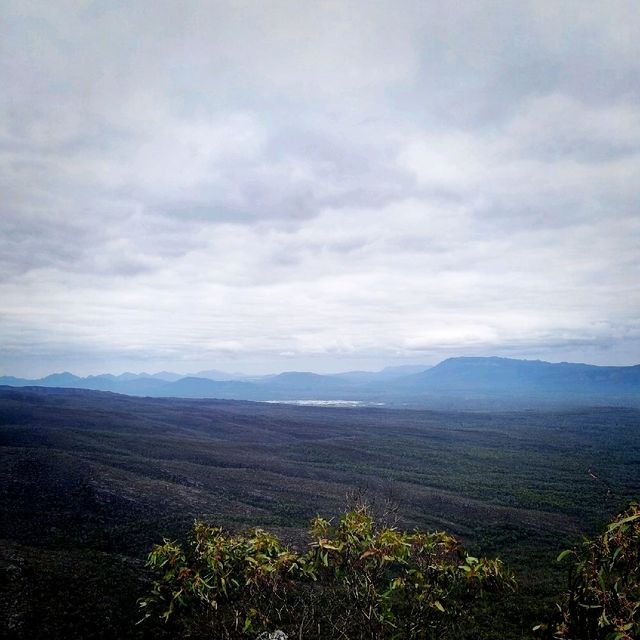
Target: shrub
[(603, 599), (356, 580)]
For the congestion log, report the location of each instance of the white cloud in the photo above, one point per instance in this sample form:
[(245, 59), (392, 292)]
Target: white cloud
[(344, 183)]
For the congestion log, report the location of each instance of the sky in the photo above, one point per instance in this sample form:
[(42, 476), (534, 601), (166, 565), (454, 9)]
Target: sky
[(270, 185)]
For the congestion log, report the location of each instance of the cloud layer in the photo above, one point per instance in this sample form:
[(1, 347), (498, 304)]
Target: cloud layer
[(317, 185)]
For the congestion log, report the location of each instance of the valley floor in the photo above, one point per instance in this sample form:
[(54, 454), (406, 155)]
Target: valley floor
[(91, 480)]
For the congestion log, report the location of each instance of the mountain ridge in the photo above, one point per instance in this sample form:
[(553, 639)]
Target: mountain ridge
[(472, 382)]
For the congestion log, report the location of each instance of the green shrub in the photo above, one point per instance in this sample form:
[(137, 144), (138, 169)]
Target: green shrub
[(356, 580), (603, 599)]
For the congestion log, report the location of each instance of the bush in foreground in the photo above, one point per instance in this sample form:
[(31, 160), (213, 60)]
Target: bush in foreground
[(356, 580), (603, 599)]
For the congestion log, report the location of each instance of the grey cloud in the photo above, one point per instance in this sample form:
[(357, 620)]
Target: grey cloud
[(343, 182)]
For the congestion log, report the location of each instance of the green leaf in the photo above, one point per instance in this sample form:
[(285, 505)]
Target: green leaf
[(563, 555), (619, 523), (437, 604)]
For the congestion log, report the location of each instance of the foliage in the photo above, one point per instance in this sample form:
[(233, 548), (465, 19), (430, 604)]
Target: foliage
[(226, 582), (603, 600), (356, 580)]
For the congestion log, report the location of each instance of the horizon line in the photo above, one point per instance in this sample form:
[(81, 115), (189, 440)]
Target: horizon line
[(197, 374)]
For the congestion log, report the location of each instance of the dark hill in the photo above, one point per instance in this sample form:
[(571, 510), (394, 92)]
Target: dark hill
[(90, 480)]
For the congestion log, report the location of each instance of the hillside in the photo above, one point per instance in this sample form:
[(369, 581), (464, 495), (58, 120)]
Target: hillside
[(506, 377), (91, 480)]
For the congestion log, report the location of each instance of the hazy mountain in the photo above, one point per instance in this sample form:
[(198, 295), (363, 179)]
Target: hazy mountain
[(12, 381), (215, 374), (470, 383), (192, 387), (388, 373), (304, 382), (168, 376), (505, 382), (64, 379), (511, 375), (404, 370), (127, 375)]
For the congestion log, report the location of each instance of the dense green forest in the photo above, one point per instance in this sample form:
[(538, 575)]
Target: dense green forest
[(91, 481)]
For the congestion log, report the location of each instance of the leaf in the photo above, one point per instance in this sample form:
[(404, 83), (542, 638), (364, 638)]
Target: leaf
[(601, 580), (563, 555), (619, 523), (438, 605)]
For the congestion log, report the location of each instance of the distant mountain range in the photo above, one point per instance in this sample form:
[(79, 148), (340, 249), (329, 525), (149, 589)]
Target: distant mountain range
[(467, 383)]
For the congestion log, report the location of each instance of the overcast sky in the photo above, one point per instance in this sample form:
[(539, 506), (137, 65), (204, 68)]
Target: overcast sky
[(265, 186)]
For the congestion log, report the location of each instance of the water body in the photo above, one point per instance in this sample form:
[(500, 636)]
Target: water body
[(329, 403)]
